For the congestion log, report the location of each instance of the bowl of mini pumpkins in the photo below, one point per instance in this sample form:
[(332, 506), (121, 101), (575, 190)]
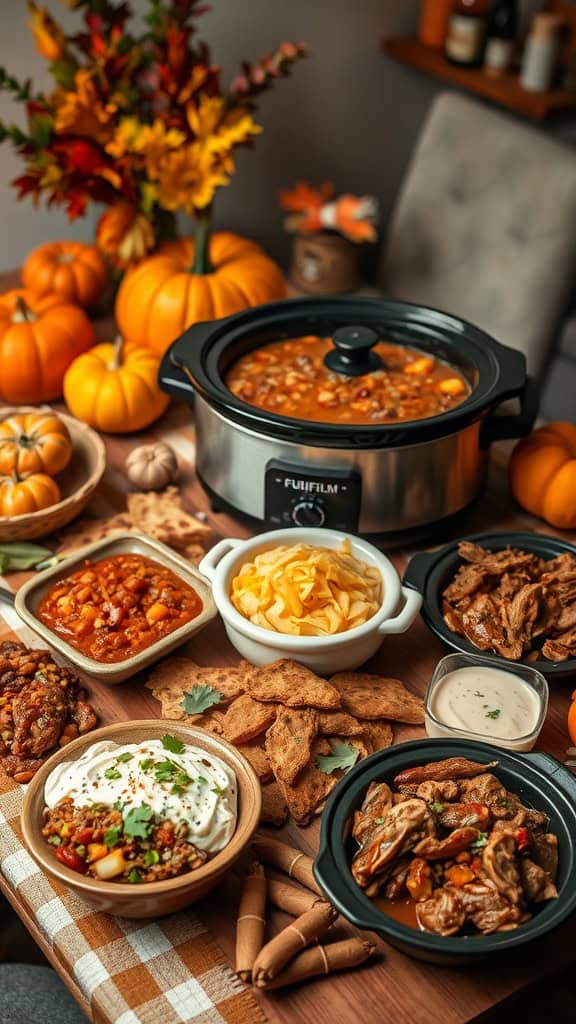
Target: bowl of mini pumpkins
[(50, 464)]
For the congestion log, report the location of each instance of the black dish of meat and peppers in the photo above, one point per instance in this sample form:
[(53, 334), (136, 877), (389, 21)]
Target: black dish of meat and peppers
[(42, 707), (449, 850)]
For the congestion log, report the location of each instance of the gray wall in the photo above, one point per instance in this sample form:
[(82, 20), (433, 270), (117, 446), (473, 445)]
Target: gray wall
[(346, 114)]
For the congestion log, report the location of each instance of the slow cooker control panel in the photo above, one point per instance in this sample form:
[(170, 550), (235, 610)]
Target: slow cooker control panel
[(302, 496)]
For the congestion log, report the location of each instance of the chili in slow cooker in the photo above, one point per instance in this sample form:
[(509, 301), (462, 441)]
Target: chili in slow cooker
[(113, 608), (290, 378)]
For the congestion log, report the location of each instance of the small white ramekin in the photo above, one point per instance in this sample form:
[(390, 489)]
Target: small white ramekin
[(325, 655)]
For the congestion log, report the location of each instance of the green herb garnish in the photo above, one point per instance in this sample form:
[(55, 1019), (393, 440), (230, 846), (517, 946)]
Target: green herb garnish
[(54, 840), (134, 876), (480, 842), (151, 857), (112, 773), (379, 821), (165, 771), (494, 714), (202, 780), (218, 790), (181, 782), (137, 822), (146, 764), (343, 757), (436, 807), (200, 699), (118, 806), (112, 836), (123, 758), (173, 744), (478, 694)]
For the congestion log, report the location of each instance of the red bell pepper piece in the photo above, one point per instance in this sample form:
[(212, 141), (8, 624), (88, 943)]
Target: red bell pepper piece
[(522, 837), (71, 859)]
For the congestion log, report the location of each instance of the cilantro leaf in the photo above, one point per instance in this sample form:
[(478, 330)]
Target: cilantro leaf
[(200, 699), (112, 836), (343, 757), (112, 773), (480, 842), (218, 790), (119, 806), (146, 764), (379, 821), (151, 857), (166, 770), (181, 782), (436, 808), (494, 714), (134, 876), (173, 744), (122, 758), (137, 822)]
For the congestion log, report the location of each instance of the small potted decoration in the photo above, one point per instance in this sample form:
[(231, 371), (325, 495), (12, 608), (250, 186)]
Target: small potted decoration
[(139, 121), (327, 236)]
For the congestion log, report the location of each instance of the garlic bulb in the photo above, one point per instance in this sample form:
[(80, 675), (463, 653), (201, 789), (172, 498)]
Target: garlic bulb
[(152, 466)]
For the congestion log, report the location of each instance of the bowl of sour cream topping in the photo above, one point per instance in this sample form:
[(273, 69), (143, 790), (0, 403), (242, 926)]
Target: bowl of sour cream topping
[(142, 818)]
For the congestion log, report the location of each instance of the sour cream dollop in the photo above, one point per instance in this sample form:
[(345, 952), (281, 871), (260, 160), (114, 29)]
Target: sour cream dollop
[(191, 786)]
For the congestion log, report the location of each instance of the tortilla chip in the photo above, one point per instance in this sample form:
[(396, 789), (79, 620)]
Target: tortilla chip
[(88, 531), (247, 718), (311, 787), (180, 675), (378, 734), (338, 723), (193, 552), (255, 753), (274, 807), (370, 696), (293, 685), (212, 720), (163, 516), (289, 741)]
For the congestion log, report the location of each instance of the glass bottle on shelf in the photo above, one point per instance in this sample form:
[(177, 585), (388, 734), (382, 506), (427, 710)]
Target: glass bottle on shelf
[(501, 34), (466, 33), (433, 26), (540, 59)]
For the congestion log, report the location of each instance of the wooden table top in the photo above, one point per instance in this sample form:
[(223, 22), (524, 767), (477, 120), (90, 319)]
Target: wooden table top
[(393, 987)]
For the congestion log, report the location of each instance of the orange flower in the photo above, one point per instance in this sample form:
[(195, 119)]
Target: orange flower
[(217, 127), (48, 34), (188, 178), (82, 112), (124, 235)]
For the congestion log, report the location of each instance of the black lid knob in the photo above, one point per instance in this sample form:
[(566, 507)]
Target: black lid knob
[(352, 353)]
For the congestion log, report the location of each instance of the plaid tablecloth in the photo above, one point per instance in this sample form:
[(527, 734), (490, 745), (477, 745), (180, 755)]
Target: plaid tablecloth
[(130, 972)]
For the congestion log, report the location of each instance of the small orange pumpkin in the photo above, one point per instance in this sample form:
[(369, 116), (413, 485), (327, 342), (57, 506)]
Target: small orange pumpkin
[(20, 497), (170, 290), (543, 474), (34, 443), (39, 338), (76, 271), (115, 389), (124, 234)]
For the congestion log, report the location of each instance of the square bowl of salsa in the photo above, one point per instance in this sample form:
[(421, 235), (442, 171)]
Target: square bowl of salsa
[(116, 606)]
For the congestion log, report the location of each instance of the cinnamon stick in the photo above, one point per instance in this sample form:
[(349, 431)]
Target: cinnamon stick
[(292, 940), (288, 859), (290, 899), (251, 921), (336, 956)]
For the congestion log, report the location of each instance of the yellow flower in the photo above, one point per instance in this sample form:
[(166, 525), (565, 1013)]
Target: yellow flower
[(218, 128), (82, 112), (124, 137), (48, 34), (188, 178), (154, 142)]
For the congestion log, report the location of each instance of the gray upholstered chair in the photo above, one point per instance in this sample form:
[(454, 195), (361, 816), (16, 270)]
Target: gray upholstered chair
[(485, 225)]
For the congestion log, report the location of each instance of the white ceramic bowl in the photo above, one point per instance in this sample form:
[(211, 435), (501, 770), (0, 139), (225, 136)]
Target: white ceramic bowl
[(325, 655)]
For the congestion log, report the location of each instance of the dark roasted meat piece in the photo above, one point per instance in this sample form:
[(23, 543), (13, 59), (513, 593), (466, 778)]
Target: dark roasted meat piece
[(536, 882), (489, 910), (451, 768), (437, 792), (403, 827), (377, 803), (439, 849), (500, 863), (39, 714), (471, 815), (544, 850), (443, 913)]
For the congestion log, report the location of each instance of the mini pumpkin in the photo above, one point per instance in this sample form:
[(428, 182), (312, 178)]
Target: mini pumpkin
[(543, 474), (150, 467), (171, 290), (34, 443), (115, 389), (20, 497), (76, 271), (39, 338)]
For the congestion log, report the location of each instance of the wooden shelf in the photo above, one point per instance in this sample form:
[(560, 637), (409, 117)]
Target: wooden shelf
[(504, 90)]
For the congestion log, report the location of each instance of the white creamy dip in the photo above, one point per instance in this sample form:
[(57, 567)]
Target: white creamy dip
[(490, 702), (191, 786)]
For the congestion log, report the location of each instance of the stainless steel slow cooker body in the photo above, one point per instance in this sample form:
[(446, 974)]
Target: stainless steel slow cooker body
[(377, 480)]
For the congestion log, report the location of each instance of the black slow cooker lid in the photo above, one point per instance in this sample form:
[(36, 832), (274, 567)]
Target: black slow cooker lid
[(206, 351)]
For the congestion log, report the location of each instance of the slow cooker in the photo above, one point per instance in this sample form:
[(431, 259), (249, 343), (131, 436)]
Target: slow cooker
[(374, 479)]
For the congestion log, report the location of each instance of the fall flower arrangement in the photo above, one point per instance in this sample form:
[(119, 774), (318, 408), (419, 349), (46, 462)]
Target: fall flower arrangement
[(312, 209), (137, 120)]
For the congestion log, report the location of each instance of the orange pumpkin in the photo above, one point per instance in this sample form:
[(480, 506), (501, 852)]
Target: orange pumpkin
[(39, 338), (19, 497), (543, 474), (34, 443), (75, 271), (115, 389), (164, 294)]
